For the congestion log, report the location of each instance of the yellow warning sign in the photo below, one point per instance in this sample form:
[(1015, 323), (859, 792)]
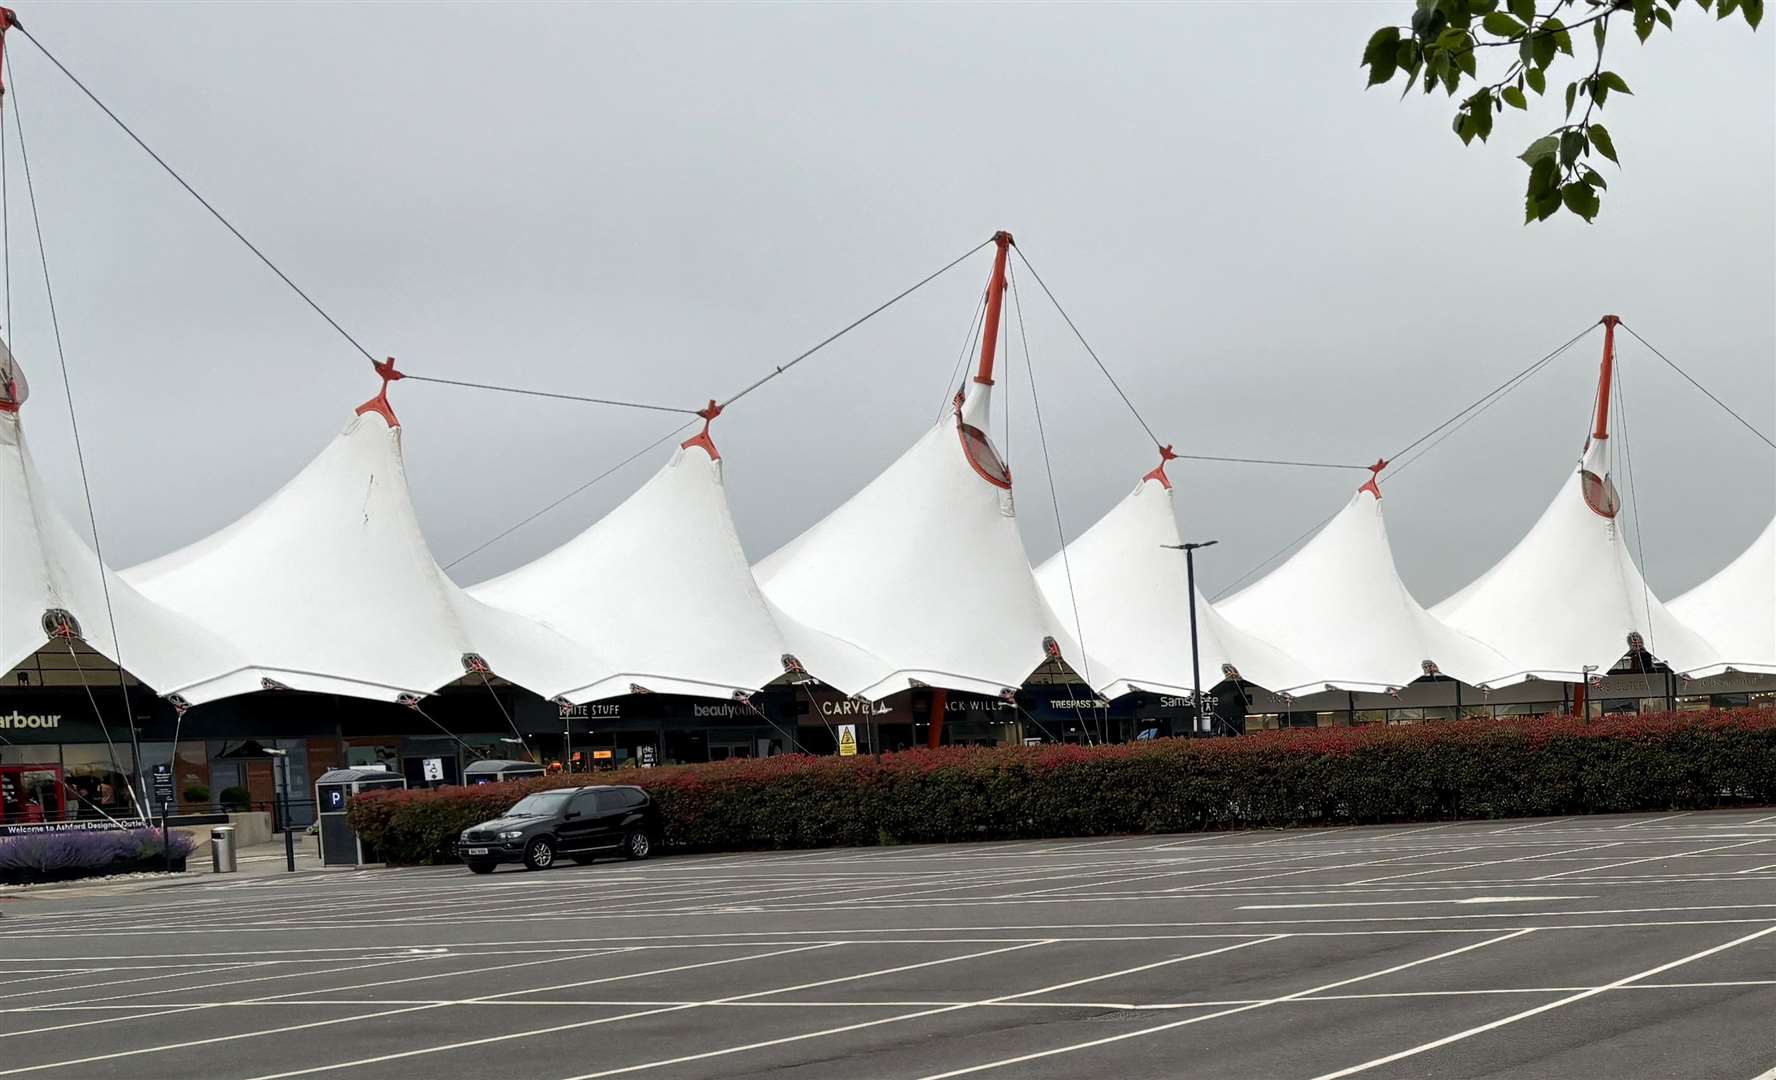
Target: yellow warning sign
[(847, 740)]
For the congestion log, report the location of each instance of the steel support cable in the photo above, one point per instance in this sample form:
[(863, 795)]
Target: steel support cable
[(205, 203), (485, 681), (776, 371), (1473, 412), (1646, 592), (479, 756), (1504, 387), (1396, 466), (866, 317), (950, 384), (1025, 259), (550, 394), (79, 449), (105, 729), (509, 530), (1137, 414), (1686, 375), (1053, 495)]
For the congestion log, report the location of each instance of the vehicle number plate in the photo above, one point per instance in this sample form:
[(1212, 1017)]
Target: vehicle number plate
[(475, 851)]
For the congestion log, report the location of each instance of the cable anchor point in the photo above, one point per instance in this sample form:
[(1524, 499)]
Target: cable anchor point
[(708, 413), (380, 403), (1159, 471), (1371, 485)]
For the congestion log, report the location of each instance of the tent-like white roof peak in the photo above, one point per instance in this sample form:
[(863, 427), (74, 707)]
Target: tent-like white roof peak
[(1735, 610), (1339, 609), (328, 585), (1568, 599), (925, 569), (52, 584), (661, 591), (1134, 604)]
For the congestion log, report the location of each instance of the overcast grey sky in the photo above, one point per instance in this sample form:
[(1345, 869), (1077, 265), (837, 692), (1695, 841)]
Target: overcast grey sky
[(661, 202)]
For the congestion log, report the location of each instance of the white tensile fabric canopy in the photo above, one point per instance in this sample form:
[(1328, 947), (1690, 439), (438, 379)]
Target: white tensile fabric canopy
[(1735, 610), (925, 570), (329, 586), (1340, 610), (1563, 602), (661, 590), (1134, 605), (46, 565)]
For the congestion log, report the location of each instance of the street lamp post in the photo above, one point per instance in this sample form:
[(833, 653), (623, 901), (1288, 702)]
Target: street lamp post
[(1196, 680)]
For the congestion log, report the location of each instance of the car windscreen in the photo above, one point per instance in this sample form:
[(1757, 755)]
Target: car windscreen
[(542, 804)]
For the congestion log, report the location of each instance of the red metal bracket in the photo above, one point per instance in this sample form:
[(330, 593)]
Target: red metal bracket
[(1370, 485), (8, 20), (380, 403), (9, 401), (708, 412), (1159, 471)]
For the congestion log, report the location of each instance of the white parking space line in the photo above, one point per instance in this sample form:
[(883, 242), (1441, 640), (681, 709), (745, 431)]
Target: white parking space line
[(508, 1036), (1546, 1007), (956, 1007), (1649, 858), (1144, 1032), (378, 1015)]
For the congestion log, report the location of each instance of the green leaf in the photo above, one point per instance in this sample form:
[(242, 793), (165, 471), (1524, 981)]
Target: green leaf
[(1514, 98), (1663, 16), (1572, 143), (1525, 10), (1703, 4), (1548, 204), (1466, 61), (1643, 18), (1451, 80), (1572, 91), (1381, 55), (1600, 138), (1599, 31), (1464, 126), (1599, 92), (1595, 179), (1543, 47), (1502, 25), (1614, 82), (1536, 80), (1753, 10), (1543, 149), (1581, 199), (1725, 8), (1483, 118), (1557, 29)]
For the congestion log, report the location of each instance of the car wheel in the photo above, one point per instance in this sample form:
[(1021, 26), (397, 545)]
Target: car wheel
[(480, 867), (638, 845), (540, 854)]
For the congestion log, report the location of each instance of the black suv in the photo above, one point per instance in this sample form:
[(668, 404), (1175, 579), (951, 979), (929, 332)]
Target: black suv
[(581, 823)]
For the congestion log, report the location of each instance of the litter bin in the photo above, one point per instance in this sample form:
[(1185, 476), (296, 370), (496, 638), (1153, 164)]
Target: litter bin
[(222, 857), (492, 771), (334, 791)]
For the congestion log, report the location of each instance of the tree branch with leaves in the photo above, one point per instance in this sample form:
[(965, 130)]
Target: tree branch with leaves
[(1443, 46)]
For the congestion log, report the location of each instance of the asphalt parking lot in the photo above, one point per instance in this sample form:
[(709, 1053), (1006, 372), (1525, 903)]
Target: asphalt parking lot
[(1571, 948)]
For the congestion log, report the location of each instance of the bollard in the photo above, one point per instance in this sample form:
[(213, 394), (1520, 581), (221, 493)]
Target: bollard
[(222, 850)]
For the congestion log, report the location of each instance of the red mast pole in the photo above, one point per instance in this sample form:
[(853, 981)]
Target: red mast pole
[(1601, 429), (995, 301)]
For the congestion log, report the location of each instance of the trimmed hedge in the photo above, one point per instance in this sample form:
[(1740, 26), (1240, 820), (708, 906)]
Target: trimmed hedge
[(1430, 771)]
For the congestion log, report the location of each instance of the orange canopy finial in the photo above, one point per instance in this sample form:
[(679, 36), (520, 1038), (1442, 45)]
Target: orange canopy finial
[(380, 403), (708, 412), (1159, 471), (1370, 485)]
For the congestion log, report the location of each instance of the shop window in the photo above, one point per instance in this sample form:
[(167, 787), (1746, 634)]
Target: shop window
[(98, 775)]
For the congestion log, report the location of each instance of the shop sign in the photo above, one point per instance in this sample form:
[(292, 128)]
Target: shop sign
[(648, 756), (18, 721), (433, 768), (163, 783), (95, 825), (847, 740)]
